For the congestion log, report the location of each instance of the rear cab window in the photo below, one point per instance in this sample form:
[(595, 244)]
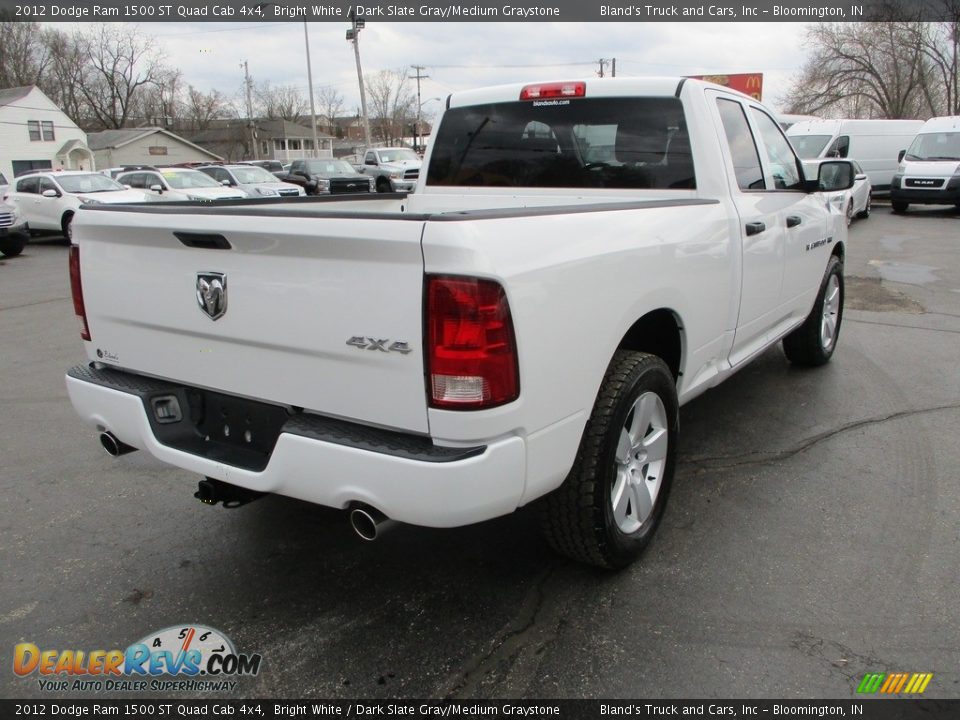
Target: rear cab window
[(607, 143)]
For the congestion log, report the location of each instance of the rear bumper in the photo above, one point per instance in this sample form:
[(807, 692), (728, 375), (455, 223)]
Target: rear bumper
[(324, 461)]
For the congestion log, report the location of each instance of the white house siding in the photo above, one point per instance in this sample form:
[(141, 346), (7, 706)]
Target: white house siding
[(138, 152), (15, 143)]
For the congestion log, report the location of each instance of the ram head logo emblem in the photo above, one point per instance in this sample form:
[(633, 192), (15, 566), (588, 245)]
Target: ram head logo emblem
[(212, 294)]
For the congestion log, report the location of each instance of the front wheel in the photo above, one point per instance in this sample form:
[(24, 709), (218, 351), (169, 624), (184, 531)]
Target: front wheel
[(899, 207), (67, 226), (865, 213), (849, 212), (383, 185), (12, 246), (610, 504), (813, 342)]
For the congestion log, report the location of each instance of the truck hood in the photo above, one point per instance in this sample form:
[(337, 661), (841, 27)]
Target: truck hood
[(403, 165), (114, 196), (217, 193)]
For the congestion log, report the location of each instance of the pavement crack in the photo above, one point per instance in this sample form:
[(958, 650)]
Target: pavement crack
[(33, 304), (500, 659), (764, 457), (901, 325)]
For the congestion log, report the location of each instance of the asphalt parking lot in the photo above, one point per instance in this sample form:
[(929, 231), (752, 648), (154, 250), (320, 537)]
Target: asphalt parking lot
[(812, 534)]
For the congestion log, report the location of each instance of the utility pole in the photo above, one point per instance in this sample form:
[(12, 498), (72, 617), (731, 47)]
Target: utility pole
[(416, 130), (353, 34), (313, 111), (253, 134), (603, 63), (613, 68)]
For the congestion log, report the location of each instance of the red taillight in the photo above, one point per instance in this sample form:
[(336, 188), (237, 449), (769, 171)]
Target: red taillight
[(547, 91), (77, 290), (471, 349)]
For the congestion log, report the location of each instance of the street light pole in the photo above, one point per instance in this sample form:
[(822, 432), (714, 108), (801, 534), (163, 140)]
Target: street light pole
[(313, 111), (353, 34), (253, 133)]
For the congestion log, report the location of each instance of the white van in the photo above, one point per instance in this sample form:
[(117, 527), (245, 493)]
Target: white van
[(875, 144), (929, 171)]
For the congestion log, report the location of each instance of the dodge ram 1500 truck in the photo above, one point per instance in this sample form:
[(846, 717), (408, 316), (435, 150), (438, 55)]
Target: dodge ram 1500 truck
[(578, 260)]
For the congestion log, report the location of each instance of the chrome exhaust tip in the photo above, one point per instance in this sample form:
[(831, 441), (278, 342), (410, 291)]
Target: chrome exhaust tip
[(113, 446), (369, 523)]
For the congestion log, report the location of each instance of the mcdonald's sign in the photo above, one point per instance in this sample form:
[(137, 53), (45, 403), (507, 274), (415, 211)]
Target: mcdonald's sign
[(748, 83)]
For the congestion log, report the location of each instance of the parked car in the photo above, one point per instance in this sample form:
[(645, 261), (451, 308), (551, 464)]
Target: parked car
[(273, 166), (4, 186), (48, 200), (179, 184), (929, 170), (395, 169), (255, 181), (14, 230), (329, 177)]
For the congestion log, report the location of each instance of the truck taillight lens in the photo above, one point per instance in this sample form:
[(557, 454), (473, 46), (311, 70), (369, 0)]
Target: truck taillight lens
[(471, 348), (77, 290)]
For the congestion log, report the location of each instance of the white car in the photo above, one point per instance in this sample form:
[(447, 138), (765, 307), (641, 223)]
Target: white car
[(48, 200), (255, 181), (853, 203), (179, 184), (3, 186)]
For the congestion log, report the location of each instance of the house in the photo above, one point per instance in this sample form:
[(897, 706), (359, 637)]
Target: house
[(145, 146), (276, 140), (37, 135)]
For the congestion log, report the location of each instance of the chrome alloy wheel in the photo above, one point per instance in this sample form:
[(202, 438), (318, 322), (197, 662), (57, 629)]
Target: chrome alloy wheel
[(640, 463), (831, 313)]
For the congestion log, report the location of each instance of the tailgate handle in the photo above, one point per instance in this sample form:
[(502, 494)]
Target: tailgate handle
[(793, 220), (755, 228), (210, 241)]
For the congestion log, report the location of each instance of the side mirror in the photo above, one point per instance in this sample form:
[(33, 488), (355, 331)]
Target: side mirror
[(900, 155), (225, 182), (861, 176), (50, 193), (157, 189), (835, 175), (128, 187)]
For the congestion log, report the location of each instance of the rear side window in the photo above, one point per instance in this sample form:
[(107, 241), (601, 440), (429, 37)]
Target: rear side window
[(840, 147), (743, 149), (28, 185), (621, 143)]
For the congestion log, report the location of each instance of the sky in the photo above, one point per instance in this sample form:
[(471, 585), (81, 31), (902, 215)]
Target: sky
[(465, 55)]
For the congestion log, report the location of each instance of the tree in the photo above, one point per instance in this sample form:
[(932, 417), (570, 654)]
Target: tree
[(122, 64), (280, 102), (200, 108), (862, 70), (330, 105), (23, 54), (391, 103)]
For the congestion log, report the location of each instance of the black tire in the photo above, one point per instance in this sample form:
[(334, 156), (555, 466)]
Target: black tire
[(849, 212), (899, 207), (383, 185), (11, 247), (813, 342), (865, 213), (67, 225), (578, 519)]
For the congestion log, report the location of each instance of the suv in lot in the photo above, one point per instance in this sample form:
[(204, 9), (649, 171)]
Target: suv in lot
[(255, 181), (179, 184), (328, 177), (48, 200)]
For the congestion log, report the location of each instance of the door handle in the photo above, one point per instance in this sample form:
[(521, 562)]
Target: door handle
[(793, 220), (755, 228)]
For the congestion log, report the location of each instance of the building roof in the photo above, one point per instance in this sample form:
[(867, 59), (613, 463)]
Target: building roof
[(112, 139), (286, 129), (12, 94)]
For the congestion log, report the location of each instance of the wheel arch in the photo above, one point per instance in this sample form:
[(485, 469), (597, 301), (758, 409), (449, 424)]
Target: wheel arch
[(839, 250), (65, 218), (658, 332)]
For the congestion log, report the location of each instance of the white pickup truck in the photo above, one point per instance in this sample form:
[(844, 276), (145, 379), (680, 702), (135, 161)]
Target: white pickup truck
[(578, 260)]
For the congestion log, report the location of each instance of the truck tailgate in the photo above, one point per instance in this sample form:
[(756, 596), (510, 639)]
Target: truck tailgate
[(297, 290)]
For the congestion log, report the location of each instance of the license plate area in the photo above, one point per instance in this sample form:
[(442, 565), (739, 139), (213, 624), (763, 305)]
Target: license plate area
[(224, 428)]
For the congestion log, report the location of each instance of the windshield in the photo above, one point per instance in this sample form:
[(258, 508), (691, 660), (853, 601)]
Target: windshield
[(187, 179), (589, 143), (935, 146), (398, 155), (253, 175), (92, 183), (809, 147), (331, 167)]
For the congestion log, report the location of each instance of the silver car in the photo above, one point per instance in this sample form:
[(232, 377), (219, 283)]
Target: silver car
[(255, 181)]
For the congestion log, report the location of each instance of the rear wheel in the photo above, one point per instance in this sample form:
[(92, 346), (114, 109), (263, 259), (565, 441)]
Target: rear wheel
[(608, 508), (813, 342), (899, 207)]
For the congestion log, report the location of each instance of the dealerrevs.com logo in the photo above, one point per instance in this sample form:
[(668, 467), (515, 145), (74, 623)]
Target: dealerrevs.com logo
[(182, 657)]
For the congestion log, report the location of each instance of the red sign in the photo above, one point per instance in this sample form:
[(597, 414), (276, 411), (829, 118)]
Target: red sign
[(748, 83)]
